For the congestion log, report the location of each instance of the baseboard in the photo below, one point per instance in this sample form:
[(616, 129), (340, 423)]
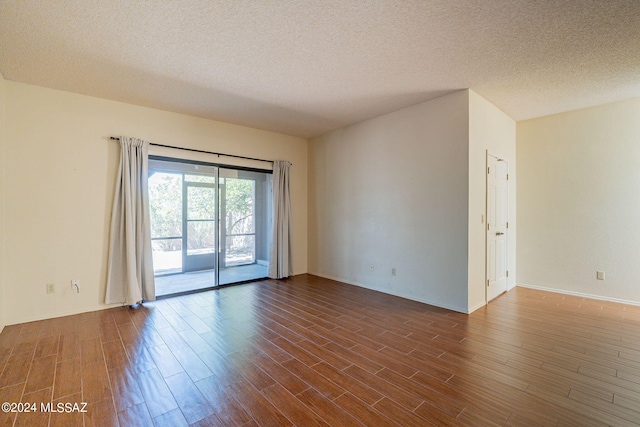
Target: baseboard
[(37, 318), (338, 279), (362, 285), (579, 294), (472, 309)]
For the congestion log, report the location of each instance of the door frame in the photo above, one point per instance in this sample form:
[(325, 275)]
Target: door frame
[(486, 226)]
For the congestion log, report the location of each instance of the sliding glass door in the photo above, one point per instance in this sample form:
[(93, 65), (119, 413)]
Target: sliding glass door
[(245, 200), (210, 225), (199, 205)]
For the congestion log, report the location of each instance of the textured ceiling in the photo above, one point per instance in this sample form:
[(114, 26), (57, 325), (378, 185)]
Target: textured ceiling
[(307, 67)]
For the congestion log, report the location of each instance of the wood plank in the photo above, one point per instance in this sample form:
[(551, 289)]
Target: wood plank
[(227, 410), (257, 405), (42, 374), (125, 388), (156, 394), (294, 409), (309, 350), (192, 403)]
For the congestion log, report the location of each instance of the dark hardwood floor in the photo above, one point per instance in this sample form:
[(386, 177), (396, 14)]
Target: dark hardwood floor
[(310, 352)]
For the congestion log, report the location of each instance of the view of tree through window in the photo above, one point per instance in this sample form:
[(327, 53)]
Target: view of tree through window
[(201, 216), (240, 223), (165, 211), (166, 205)]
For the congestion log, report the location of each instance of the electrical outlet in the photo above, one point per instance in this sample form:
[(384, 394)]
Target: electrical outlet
[(600, 275), (373, 267), (393, 271), (51, 288)]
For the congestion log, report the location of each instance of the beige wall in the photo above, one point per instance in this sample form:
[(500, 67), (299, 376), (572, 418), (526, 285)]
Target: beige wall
[(489, 130), (392, 192), (3, 85), (59, 180), (579, 201)]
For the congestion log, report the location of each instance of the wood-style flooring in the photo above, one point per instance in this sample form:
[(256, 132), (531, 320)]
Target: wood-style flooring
[(310, 352)]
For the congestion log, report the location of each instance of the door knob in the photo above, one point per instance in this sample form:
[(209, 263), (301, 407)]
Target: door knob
[(498, 233)]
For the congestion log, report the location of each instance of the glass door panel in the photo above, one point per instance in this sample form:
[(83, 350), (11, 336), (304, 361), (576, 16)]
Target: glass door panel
[(239, 222), (244, 225), (165, 208), (200, 226)]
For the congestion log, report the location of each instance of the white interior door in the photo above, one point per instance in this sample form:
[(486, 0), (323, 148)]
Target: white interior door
[(497, 226)]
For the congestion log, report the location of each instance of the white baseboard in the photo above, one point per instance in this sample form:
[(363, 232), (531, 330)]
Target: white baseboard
[(579, 294), (362, 285), (337, 279), (38, 317), (472, 309)]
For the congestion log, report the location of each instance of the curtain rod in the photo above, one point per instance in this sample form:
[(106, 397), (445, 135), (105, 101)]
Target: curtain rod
[(113, 138)]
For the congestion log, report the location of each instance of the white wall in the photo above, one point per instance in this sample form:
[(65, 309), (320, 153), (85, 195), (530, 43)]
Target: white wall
[(392, 192), (3, 157), (59, 180), (489, 129), (579, 201)]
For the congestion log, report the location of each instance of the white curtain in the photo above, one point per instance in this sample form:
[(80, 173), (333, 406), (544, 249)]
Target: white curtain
[(130, 266), (280, 262)]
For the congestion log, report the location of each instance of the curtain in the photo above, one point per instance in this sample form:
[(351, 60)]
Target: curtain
[(280, 259), (130, 266)]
